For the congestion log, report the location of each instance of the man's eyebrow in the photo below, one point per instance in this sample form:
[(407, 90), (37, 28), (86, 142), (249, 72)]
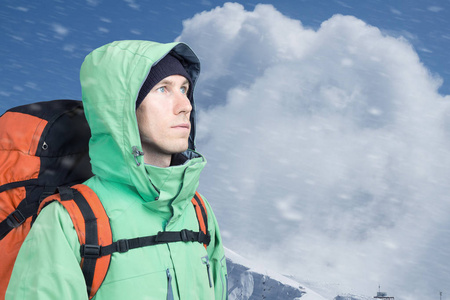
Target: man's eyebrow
[(171, 82)]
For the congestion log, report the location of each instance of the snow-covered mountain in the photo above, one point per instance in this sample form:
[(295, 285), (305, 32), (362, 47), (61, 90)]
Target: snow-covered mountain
[(352, 297), (249, 282)]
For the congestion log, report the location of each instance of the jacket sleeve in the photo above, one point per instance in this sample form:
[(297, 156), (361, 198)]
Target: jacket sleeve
[(217, 258), (47, 266)]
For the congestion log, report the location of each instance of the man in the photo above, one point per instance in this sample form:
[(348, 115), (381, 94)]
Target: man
[(138, 100)]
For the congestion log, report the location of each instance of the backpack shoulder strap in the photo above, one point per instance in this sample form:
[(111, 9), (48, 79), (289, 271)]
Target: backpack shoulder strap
[(95, 236), (162, 237), (93, 228), (202, 214)]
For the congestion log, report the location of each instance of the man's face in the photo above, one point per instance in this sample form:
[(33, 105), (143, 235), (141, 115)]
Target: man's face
[(163, 117)]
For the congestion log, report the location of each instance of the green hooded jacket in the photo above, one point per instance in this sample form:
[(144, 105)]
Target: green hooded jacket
[(140, 199)]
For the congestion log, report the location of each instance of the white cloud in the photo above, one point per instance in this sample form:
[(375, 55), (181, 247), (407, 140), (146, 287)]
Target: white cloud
[(93, 3), (69, 48), (22, 8), (17, 38), (396, 12), (106, 20), (136, 31), (60, 30), (133, 4), (330, 148), (435, 9), (32, 85), (5, 94), (103, 29)]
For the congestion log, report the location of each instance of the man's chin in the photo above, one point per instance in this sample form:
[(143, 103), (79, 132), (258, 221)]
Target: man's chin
[(178, 149)]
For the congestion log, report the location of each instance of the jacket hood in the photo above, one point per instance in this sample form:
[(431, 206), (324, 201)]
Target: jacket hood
[(111, 77)]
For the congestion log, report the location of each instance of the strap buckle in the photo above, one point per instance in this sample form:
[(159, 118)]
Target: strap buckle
[(65, 192), (159, 238), (90, 251), (187, 235), (15, 219), (204, 238), (122, 246)]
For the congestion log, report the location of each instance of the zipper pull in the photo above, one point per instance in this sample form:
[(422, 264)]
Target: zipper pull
[(169, 285), (136, 153), (205, 260)]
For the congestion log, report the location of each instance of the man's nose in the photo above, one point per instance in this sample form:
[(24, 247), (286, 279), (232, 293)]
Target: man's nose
[(183, 103)]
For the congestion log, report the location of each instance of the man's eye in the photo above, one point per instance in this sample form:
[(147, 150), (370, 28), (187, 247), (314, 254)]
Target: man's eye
[(183, 89), (161, 89)]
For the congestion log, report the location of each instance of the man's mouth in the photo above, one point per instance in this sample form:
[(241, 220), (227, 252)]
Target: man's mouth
[(182, 126)]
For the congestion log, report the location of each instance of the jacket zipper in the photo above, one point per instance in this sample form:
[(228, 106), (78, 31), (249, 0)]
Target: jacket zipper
[(226, 286), (169, 286), (205, 261)]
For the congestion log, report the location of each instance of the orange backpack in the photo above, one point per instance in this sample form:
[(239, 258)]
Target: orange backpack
[(42, 146), (44, 150)]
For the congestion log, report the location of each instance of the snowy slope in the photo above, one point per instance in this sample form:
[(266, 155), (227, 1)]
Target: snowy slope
[(352, 297), (247, 281)]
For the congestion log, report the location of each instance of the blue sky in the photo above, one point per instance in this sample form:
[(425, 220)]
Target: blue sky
[(43, 44), (347, 155)]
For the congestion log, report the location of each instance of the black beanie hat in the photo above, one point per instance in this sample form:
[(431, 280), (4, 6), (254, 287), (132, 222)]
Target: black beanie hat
[(167, 66)]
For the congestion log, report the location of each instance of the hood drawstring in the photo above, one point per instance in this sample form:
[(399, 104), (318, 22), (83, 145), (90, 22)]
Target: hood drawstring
[(136, 153)]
